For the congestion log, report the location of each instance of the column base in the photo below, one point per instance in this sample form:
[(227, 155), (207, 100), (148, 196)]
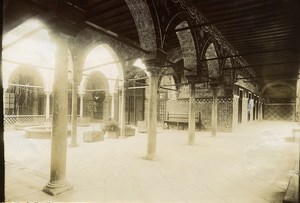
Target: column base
[(73, 145), (150, 157), (191, 143), (57, 188)]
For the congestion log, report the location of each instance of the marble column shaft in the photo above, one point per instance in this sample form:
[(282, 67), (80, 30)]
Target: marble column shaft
[(58, 182), (192, 108), (122, 116), (214, 112), (235, 111), (152, 114), (48, 106), (81, 106), (74, 114)]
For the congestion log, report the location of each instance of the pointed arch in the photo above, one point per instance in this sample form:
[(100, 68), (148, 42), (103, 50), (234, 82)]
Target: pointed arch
[(144, 23), (188, 48), (212, 66)]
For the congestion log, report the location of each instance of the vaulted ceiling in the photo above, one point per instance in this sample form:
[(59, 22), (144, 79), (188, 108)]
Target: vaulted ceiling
[(264, 32)]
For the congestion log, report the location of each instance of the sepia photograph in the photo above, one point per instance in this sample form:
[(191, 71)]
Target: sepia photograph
[(150, 101)]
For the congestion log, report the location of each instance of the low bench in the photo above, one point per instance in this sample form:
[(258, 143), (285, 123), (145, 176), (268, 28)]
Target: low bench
[(180, 120)]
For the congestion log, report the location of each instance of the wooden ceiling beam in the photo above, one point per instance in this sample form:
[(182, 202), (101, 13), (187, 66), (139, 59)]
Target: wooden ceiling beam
[(264, 38), (107, 12), (262, 65), (266, 32), (116, 37), (256, 24), (25, 36), (246, 54), (228, 20)]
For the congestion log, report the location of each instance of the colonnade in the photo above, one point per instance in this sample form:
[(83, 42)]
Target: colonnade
[(58, 183)]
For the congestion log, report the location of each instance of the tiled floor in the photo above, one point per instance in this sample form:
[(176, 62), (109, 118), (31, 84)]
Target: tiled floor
[(251, 165)]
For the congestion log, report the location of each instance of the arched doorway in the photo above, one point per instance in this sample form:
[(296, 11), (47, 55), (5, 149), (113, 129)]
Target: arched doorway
[(96, 92), (25, 93)]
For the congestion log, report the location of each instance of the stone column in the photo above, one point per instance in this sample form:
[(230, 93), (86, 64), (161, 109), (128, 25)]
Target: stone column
[(260, 107), (74, 114), (58, 183), (122, 116), (214, 111), (112, 107), (48, 93), (235, 111), (192, 108), (152, 112), (116, 105), (35, 103), (81, 105)]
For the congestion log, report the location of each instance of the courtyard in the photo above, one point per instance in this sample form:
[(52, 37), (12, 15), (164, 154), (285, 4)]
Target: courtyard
[(252, 164)]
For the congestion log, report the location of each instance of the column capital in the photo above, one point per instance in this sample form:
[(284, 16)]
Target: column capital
[(58, 37), (215, 82), (47, 92), (192, 78), (152, 66), (81, 95)]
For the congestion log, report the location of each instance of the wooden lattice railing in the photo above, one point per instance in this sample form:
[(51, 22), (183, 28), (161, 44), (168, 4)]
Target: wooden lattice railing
[(24, 120)]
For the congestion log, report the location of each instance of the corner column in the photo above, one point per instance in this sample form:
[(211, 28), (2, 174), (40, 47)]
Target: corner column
[(214, 112), (192, 107), (152, 112), (58, 183)]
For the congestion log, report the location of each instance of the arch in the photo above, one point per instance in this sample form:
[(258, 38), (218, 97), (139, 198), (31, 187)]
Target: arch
[(35, 50), (213, 66), (144, 23), (210, 40), (169, 72), (25, 87), (188, 48), (116, 50), (168, 82), (227, 75), (96, 88), (101, 57), (278, 82)]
